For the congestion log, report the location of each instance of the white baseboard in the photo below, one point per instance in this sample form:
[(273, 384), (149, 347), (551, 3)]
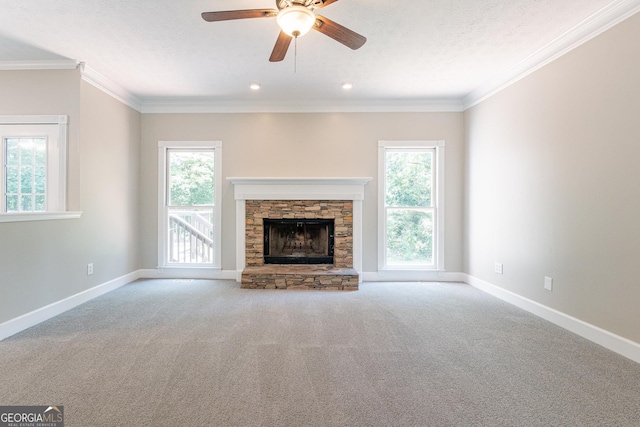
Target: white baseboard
[(187, 273), (20, 323), (606, 339), (411, 276)]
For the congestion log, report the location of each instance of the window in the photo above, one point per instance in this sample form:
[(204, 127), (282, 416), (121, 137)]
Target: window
[(410, 205), (33, 154), (25, 174), (189, 212)]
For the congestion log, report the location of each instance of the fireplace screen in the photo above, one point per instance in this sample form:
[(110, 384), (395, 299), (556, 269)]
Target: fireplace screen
[(298, 241)]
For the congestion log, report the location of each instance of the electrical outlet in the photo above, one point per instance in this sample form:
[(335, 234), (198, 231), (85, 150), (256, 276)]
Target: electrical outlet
[(548, 283), (497, 268), (89, 269)]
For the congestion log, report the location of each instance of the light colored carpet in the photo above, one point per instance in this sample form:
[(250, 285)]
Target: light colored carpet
[(206, 353)]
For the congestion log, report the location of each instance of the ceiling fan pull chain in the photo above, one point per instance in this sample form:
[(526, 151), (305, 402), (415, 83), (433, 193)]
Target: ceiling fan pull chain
[(295, 55)]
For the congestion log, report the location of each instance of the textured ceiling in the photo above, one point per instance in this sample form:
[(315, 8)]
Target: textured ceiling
[(416, 50)]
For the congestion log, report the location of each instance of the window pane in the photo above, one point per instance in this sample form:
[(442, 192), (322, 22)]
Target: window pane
[(40, 147), (408, 178), (26, 203), (26, 174), (26, 151), (409, 237), (13, 151), (12, 203), (40, 179), (40, 204), (12, 179), (26, 179), (191, 178), (190, 236)]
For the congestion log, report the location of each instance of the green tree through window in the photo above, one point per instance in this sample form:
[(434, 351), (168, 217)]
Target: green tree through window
[(26, 174), (408, 204), (409, 178), (192, 178)]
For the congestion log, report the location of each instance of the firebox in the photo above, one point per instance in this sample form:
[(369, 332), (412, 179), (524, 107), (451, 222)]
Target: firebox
[(298, 241)]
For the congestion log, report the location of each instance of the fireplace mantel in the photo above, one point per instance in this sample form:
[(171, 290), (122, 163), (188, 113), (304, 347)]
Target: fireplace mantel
[(299, 188), (270, 188), (299, 181)]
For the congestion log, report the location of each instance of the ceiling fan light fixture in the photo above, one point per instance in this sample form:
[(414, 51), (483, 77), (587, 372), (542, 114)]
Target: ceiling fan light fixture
[(296, 21)]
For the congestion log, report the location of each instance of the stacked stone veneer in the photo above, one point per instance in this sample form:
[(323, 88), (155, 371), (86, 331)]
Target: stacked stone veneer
[(340, 275)]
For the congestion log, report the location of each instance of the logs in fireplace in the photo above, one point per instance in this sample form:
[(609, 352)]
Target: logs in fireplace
[(298, 241)]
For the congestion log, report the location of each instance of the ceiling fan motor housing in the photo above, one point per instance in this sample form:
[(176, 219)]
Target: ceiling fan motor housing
[(310, 4)]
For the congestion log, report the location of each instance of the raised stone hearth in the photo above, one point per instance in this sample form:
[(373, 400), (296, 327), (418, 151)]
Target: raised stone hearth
[(338, 199), (300, 277)]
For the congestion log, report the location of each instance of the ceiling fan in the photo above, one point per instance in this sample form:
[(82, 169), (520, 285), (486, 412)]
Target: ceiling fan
[(295, 18)]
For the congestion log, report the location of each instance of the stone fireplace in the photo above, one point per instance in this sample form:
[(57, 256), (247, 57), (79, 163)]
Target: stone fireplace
[(318, 242)]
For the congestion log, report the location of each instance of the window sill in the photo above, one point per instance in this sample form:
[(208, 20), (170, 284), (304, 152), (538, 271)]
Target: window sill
[(38, 216)]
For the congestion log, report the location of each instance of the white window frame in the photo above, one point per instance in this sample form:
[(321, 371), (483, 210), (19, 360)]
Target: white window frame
[(56, 167), (163, 147), (438, 199)]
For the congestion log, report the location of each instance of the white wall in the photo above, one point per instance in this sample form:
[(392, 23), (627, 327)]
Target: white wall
[(42, 262), (110, 191), (303, 145), (552, 183)]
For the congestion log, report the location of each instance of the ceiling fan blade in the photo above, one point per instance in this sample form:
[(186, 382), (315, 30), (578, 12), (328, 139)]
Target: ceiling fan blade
[(281, 47), (227, 15), (324, 3), (339, 33)]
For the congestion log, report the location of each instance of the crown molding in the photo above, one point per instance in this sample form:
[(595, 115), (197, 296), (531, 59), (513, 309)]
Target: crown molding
[(110, 87), (88, 74), (599, 22), (186, 105), (58, 64)]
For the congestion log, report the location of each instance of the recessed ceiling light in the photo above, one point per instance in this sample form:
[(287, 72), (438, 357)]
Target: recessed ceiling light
[(254, 86), (347, 86)]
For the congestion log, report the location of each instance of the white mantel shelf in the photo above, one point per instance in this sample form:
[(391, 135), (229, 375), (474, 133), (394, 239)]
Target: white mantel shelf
[(299, 181), (299, 188), (289, 188)]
